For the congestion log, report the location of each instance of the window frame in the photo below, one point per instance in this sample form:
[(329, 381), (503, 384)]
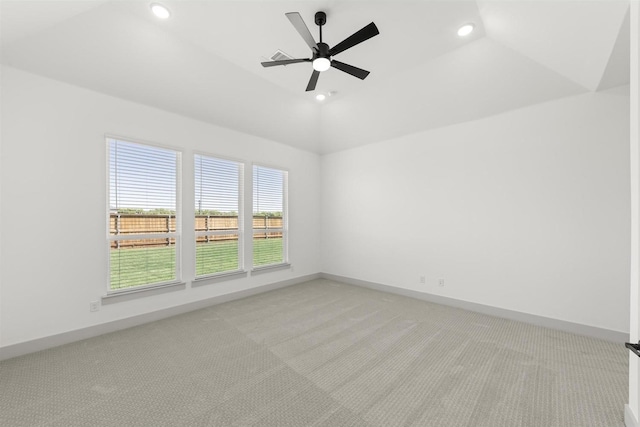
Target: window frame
[(241, 220), (176, 235), (285, 263)]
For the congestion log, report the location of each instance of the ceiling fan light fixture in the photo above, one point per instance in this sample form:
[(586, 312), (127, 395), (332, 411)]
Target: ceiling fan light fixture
[(160, 11), (321, 53), (465, 30), (321, 64)]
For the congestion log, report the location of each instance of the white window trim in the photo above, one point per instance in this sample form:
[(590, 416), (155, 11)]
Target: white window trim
[(270, 267), (218, 277), (142, 291), (134, 291)]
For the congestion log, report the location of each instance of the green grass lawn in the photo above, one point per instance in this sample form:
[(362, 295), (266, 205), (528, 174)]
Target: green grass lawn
[(134, 267)]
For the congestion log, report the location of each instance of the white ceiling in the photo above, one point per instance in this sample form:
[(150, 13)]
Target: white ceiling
[(204, 62)]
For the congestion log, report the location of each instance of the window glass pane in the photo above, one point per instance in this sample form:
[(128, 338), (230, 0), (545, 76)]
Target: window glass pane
[(143, 182), (142, 178), (268, 191), (218, 215), (217, 186), (268, 250), (216, 223), (127, 224), (269, 216), (141, 263), (217, 255)]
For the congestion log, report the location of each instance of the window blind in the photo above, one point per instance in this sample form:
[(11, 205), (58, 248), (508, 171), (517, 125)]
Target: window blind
[(218, 215), (269, 216), (143, 203)]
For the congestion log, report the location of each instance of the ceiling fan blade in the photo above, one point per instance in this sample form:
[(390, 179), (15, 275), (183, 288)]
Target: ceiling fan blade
[(313, 80), (350, 69), (356, 38), (284, 62), (302, 29)]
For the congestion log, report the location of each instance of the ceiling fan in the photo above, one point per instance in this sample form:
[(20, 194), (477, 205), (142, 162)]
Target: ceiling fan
[(322, 53)]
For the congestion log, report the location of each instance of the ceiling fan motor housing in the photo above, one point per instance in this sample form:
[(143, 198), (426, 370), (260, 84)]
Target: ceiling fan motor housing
[(323, 51)]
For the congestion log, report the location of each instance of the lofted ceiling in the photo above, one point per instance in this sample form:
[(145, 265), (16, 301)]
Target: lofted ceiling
[(204, 61)]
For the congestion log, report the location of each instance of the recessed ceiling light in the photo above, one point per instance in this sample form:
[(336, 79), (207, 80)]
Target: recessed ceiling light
[(321, 97), (465, 30), (321, 64), (160, 11)]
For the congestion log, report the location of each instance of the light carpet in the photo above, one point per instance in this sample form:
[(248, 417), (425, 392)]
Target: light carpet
[(322, 354)]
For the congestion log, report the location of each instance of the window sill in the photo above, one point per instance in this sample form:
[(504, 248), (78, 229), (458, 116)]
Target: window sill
[(134, 293), (217, 278), (270, 267)]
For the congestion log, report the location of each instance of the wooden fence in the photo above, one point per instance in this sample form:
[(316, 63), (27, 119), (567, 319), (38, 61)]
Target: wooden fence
[(132, 224)]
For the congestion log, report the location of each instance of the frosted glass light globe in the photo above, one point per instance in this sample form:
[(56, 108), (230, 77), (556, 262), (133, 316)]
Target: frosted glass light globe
[(321, 64)]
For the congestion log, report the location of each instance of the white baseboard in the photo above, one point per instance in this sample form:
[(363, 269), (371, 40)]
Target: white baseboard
[(44, 343), (630, 419), (562, 325)]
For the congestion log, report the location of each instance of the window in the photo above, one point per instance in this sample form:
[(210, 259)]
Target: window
[(219, 219), (143, 228), (269, 216)]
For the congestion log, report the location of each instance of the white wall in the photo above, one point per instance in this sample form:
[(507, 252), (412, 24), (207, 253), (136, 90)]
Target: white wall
[(632, 410), (526, 211), (53, 176)]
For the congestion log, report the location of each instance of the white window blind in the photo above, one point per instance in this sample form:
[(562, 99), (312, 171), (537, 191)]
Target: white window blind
[(270, 230), (218, 215), (143, 203)]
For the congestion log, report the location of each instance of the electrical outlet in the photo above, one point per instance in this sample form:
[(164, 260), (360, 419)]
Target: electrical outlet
[(441, 283), (423, 280), (94, 306)]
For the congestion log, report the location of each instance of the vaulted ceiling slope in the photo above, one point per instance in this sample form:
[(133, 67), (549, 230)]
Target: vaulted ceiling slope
[(204, 61)]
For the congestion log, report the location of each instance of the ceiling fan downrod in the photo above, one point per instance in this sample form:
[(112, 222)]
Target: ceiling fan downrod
[(321, 19)]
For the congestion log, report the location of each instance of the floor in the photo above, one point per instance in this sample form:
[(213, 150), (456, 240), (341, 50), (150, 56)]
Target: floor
[(322, 353)]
